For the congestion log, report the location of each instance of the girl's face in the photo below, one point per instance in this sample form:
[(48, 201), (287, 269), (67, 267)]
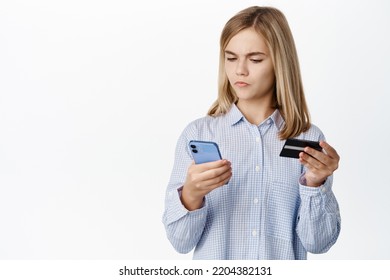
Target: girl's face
[(248, 66)]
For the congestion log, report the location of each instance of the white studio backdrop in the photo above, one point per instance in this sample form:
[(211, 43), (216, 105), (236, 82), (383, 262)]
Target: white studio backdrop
[(94, 94)]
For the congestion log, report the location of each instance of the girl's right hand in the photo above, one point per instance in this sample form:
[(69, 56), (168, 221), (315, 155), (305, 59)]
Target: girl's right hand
[(202, 179)]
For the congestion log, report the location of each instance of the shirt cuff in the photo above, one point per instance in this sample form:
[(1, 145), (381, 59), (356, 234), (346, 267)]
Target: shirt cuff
[(311, 191), (176, 209)]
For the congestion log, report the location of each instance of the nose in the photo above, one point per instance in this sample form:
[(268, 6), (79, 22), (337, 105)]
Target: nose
[(241, 69)]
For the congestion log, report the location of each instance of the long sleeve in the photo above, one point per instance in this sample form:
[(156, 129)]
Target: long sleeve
[(184, 228), (319, 219)]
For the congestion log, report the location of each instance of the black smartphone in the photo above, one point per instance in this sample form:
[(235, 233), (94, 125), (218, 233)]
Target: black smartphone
[(292, 147), (204, 151)]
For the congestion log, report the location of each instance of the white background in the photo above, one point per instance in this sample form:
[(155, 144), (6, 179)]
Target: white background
[(94, 94)]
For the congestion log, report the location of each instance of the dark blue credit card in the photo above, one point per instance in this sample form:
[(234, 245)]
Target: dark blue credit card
[(292, 147)]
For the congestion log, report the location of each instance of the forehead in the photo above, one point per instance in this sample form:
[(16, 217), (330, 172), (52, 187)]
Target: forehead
[(247, 41)]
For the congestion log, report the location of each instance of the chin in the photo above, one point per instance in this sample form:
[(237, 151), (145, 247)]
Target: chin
[(244, 96)]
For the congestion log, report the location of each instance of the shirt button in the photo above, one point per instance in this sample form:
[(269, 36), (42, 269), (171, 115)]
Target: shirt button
[(255, 201), (257, 139), (254, 232), (323, 190), (257, 168)]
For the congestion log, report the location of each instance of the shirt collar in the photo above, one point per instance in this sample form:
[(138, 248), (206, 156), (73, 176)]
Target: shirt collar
[(277, 118), (234, 116)]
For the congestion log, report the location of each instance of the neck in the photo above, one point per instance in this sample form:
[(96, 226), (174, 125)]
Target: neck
[(255, 111)]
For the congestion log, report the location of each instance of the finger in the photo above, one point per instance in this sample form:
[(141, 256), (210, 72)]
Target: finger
[(214, 173), (310, 162), (211, 165), (219, 181), (320, 156), (318, 167), (205, 186), (329, 157), (306, 164), (329, 150)]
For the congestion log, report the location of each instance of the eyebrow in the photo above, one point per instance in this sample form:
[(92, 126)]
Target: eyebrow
[(248, 54)]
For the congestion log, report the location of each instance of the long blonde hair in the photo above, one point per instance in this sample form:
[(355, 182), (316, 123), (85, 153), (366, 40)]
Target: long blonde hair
[(289, 96)]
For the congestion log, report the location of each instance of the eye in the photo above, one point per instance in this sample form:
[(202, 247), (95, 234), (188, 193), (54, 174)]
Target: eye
[(231, 59), (256, 60)]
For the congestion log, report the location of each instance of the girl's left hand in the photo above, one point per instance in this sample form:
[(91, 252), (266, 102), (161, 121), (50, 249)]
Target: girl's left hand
[(320, 165)]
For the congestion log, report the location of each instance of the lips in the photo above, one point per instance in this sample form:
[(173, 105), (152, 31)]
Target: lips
[(241, 84)]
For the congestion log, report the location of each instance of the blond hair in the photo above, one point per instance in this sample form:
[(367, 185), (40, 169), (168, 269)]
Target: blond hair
[(289, 96)]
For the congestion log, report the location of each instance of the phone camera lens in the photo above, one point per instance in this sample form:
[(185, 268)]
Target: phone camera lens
[(193, 146), (195, 151)]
